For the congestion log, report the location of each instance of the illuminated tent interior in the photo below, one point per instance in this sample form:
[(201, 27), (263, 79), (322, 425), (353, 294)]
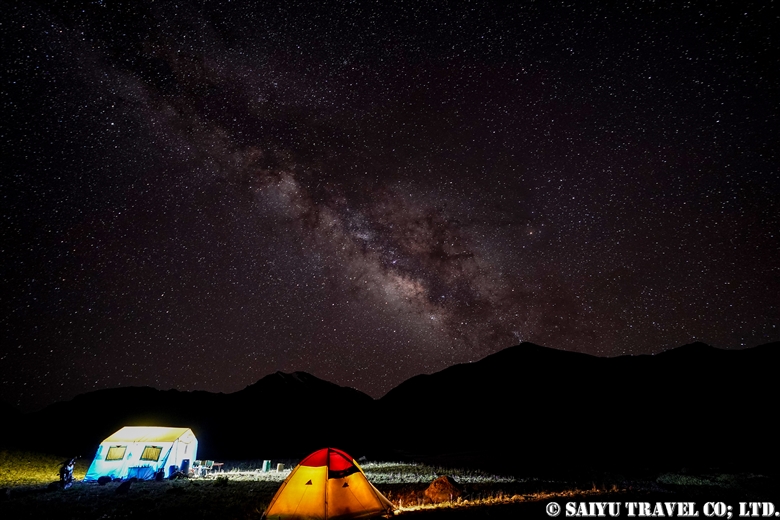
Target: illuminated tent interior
[(142, 452), (327, 484)]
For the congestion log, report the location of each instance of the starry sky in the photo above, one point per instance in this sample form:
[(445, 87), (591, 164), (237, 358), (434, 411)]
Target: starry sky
[(196, 194)]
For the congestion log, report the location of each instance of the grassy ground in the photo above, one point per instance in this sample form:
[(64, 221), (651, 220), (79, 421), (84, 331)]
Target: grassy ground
[(242, 491), (23, 468)]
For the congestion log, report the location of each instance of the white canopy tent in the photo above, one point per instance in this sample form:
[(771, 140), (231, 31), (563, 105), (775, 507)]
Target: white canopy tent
[(143, 452)]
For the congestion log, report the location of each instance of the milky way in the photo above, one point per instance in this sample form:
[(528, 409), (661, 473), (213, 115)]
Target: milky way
[(197, 194)]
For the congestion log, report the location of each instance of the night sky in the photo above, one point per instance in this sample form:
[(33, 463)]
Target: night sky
[(196, 194)]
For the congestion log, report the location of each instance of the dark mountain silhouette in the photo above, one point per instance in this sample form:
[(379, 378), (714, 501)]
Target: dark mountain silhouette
[(271, 417), (526, 408), (531, 406), (9, 416)]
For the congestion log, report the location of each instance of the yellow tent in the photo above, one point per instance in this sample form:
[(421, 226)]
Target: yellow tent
[(327, 485)]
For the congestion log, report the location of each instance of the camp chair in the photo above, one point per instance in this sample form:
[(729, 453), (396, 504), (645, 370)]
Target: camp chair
[(207, 465), (196, 468)]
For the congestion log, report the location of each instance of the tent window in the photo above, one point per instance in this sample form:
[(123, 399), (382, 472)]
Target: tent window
[(116, 453), (151, 453)]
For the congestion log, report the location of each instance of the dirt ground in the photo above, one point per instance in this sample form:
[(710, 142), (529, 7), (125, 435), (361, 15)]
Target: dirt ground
[(231, 499)]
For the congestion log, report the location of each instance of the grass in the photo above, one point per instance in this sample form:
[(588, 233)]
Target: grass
[(242, 490), (378, 473), (410, 473), (152, 500), (23, 468)]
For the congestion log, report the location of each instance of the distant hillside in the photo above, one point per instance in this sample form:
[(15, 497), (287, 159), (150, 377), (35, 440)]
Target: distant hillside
[(524, 408), (9, 415), (533, 406), (271, 417)]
